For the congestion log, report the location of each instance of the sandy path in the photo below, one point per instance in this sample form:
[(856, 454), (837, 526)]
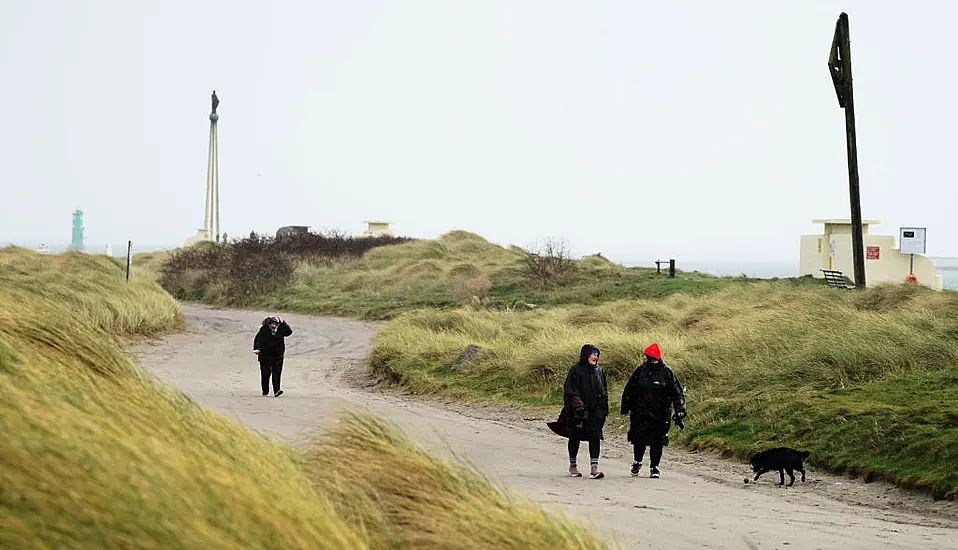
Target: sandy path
[(700, 502)]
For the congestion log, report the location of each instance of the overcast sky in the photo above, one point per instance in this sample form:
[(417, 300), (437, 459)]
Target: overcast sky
[(694, 130)]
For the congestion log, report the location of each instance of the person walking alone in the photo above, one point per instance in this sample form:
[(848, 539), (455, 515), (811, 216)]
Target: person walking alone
[(586, 407), (652, 390), (269, 345)]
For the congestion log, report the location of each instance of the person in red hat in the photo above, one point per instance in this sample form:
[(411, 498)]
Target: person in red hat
[(652, 390)]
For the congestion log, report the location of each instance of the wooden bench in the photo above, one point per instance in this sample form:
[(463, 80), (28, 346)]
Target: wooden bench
[(836, 279)]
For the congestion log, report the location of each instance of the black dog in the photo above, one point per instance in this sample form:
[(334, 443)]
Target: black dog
[(782, 459)]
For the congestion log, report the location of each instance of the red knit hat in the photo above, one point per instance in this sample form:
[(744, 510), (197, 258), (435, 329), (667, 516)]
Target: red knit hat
[(653, 351)]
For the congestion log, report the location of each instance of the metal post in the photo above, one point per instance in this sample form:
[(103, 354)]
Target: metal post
[(658, 266), (671, 269), (840, 67), (129, 258), (911, 264)]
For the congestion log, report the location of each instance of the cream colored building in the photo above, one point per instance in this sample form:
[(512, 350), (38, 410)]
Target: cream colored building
[(202, 235), (377, 229), (884, 263)]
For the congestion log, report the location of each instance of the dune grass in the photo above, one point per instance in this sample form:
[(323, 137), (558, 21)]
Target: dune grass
[(146, 264), (93, 454), (868, 382), (458, 269), (401, 497)]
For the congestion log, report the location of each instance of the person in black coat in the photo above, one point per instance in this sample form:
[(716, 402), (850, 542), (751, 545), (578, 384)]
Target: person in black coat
[(586, 406), (652, 390), (270, 347)]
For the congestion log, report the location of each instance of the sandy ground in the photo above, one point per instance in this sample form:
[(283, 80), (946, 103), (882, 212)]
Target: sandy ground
[(699, 502)]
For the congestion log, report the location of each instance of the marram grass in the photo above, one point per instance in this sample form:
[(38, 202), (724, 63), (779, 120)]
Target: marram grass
[(868, 382), (446, 273), (405, 498), (95, 455)]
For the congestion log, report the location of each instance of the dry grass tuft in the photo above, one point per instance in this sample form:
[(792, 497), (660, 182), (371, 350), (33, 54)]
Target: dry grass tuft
[(405, 498)]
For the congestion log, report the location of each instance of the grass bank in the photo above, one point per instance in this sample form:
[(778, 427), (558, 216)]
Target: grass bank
[(868, 382), (400, 497), (89, 288), (94, 454), (459, 269), (147, 264)]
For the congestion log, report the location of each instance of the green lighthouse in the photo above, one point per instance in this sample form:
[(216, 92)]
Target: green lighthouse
[(77, 242)]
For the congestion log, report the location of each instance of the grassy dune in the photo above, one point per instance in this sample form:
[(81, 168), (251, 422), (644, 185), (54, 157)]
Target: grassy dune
[(401, 497), (92, 454), (90, 287), (868, 382), (446, 273), (146, 264)]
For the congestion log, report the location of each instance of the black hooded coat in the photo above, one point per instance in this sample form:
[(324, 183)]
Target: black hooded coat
[(652, 390), (272, 347), (586, 398)]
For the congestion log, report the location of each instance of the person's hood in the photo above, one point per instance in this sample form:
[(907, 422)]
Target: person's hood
[(267, 328), (585, 352)]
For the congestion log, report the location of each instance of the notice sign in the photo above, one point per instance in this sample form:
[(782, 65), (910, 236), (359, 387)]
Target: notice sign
[(912, 240), (872, 252)]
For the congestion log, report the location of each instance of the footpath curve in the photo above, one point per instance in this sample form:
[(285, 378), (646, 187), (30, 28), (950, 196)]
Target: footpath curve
[(700, 502)]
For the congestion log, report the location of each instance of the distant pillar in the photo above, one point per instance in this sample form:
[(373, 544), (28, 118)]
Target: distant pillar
[(211, 220)]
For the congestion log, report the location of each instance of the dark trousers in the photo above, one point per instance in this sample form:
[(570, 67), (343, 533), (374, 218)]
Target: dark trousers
[(270, 368), (655, 454), (574, 449)]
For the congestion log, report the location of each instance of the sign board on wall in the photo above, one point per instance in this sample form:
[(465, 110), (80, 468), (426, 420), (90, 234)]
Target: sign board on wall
[(872, 253), (912, 240)]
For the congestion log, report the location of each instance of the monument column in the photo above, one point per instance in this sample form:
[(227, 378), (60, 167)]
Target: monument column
[(211, 223)]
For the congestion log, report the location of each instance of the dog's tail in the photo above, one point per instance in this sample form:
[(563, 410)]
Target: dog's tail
[(803, 454)]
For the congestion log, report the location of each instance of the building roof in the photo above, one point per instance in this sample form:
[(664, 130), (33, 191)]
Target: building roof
[(844, 221)]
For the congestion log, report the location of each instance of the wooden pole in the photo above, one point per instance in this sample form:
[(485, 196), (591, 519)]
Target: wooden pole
[(129, 258), (840, 67)]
